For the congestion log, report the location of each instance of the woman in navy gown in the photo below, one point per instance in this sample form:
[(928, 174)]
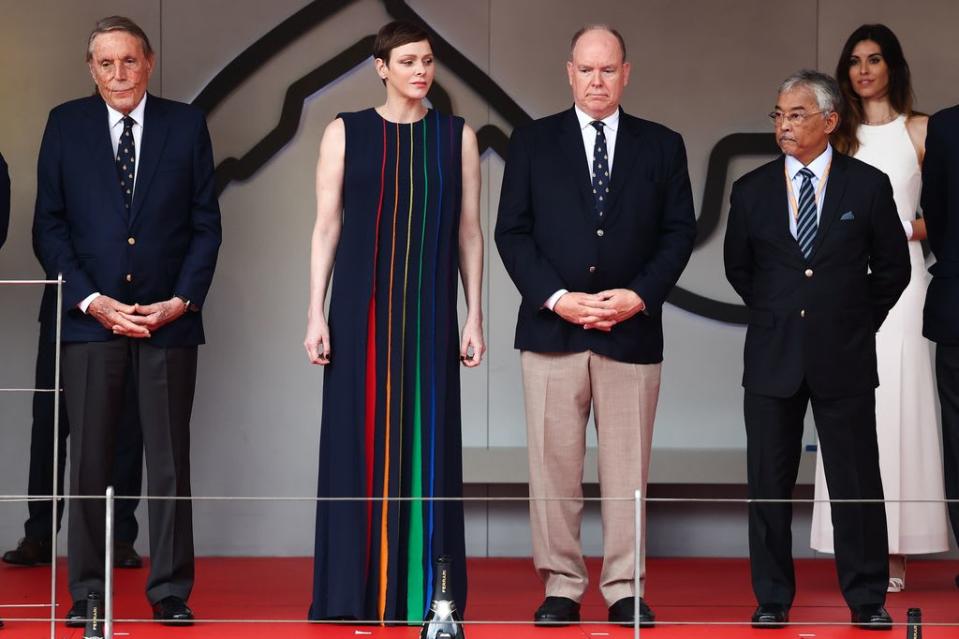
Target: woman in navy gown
[(397, 190)]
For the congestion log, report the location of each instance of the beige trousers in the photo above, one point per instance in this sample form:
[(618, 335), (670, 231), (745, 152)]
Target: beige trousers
[(559, 390)]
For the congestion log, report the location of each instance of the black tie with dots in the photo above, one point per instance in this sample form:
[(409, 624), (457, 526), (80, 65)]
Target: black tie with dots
[(600, 169), (126, 162)]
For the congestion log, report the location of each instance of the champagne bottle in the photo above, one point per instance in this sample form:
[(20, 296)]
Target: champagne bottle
[(94, 627), (914, 623), (443, 621)]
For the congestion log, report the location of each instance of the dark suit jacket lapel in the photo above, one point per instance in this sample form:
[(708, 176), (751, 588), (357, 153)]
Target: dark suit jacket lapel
[(776, 200), (624, 157), (833, 191), (155, 127), (571, 139), (97, 129)]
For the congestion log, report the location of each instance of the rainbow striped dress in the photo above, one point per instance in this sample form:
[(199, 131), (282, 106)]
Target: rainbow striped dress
[(391, 395)]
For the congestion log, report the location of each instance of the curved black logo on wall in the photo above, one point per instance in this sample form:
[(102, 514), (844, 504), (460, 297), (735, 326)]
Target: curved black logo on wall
[(490, 137)]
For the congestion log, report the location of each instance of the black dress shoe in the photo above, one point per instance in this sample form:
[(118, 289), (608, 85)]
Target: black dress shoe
[(77, 615), (125, 555), (770, 616), (556, 611), (872, 618), (31, 551), (173, 611), (622, 612)]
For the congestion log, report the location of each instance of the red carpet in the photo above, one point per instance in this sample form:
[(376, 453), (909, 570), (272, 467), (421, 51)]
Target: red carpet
[(681, 591)]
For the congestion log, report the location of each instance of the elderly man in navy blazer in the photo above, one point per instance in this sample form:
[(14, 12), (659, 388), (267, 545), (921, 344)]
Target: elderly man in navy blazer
[(940, 208), (595, 226), (126, 212), (815, 248)]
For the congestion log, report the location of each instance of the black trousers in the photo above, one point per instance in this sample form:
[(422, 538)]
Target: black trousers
[(947, 379), (127, 465), (95, 377), (850, 453)]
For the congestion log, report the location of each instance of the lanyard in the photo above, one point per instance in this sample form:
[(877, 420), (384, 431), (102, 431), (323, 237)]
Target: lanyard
[(792, 197)]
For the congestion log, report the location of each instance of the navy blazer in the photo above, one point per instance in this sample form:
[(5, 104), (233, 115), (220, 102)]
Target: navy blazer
[(550, 237), (4, 200), (167, 245), (940, 208), (815, 319)]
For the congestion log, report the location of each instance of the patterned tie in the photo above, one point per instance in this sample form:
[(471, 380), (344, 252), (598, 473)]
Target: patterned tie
[(806, 222), (126, 162), (600, 169)]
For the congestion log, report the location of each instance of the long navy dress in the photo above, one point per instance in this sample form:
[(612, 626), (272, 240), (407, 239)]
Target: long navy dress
[(391, 394)]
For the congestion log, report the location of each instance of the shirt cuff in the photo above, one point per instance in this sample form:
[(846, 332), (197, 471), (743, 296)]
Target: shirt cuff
[(85, 304), (551, 302), (907, 227)]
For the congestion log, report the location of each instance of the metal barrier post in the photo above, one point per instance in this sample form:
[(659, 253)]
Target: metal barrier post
[(638, 516), (108, 568), (56, 462)]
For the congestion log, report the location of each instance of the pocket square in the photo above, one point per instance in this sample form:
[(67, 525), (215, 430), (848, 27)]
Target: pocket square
[(848, 215)]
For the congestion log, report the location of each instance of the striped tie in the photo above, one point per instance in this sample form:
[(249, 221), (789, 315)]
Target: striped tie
[(806, 222)]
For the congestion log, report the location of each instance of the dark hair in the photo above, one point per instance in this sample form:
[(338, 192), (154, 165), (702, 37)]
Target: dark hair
[(396, 34), (900, 92), (597, 27), (119, 23)]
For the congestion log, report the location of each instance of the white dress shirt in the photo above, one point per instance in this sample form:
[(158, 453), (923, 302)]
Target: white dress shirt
[(115, 119), (818, 167), (610, 127)]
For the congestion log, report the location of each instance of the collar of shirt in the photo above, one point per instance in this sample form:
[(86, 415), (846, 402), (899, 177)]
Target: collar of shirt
[(611, 125), (115, 117), (817, 166)]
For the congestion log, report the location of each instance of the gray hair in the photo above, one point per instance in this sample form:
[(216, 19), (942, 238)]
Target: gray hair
[(823, 86), (119, 23), (597, 27)]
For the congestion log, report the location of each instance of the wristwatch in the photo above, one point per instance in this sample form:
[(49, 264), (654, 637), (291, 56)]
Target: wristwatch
[(185, 301)]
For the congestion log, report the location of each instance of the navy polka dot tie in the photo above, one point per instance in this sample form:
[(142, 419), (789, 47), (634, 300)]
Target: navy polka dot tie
[(600, 173), (126, 162)]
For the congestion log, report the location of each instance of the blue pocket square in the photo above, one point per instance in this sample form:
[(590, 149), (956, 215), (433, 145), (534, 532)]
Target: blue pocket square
[(848, 215)]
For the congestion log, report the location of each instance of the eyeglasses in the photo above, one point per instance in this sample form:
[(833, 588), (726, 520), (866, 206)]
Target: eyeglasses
[(794, 118)]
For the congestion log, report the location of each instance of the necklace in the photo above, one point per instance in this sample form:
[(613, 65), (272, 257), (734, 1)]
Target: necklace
[(883, 121)]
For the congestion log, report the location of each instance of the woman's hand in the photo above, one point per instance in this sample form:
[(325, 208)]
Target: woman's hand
[(317, 341), (472, 340)]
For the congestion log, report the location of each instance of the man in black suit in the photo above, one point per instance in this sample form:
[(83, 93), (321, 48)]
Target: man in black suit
[(126, 212), (595, 226), (4, 200), (4, 214), (940, 208), (815, 249)]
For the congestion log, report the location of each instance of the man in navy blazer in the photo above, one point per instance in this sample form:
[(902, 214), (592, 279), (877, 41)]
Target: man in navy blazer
[(815, 248), (126, 213), (595, 226), (940, 208)]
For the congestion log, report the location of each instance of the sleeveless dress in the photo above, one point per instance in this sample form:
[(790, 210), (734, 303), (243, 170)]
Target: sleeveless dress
[(390, 424), (909, 454)]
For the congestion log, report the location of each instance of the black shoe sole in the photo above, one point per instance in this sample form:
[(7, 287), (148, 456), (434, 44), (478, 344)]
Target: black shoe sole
[(174, 622), (555, 623)]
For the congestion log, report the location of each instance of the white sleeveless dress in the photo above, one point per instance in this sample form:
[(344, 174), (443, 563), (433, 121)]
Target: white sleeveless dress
[(909, 454)]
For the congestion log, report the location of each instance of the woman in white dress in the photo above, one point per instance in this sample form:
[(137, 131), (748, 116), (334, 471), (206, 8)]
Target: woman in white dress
[(879, 126)]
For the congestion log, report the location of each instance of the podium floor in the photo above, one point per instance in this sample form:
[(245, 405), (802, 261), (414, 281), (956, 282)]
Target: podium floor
[(271, 595)]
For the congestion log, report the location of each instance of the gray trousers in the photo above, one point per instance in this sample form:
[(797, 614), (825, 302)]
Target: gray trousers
[(94, 377)]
